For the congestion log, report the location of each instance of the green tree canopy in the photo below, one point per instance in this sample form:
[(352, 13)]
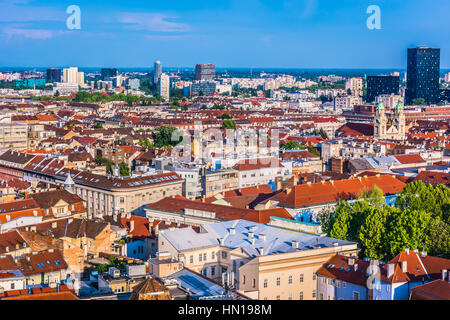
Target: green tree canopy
[(165, 136)]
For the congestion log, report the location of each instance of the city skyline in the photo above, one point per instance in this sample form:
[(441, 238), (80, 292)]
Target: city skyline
[(255, 34)]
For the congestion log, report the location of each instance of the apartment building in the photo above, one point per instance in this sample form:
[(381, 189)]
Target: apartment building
[(253, 172), (103, 195), (260, 261), (350, 278), (13, 136)]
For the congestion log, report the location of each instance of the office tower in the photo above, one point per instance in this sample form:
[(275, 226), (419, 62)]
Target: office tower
[(157, 70), (205, 72), (164, 86), (423, 75), (205, 88), (53, 75), (355, 86), (71, 75), (108, 73), (381, 85)]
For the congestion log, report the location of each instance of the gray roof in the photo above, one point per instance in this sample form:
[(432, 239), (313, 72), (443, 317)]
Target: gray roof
[(277, 240)]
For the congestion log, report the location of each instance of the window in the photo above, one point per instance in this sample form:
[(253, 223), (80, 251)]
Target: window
[(213, 271), (204, 257), (314, 276), (301, 295), (321, 296), (324, 280), (301, 278), (388, 288), (344, 284), (266, 283), (355, 295), (254, 283), (314, 293), (224, 254), (278, 282), (338, 283), (290, 280), (191, 259), (290, 296), (200, 257), (213, 255), (278, 297), (12, 285), (243, 279), (330, 282)]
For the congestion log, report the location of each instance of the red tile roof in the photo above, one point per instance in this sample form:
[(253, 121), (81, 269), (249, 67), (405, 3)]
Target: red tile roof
[(434, 290), (178, 204), (409, 158), (254, 164), (331, 191)]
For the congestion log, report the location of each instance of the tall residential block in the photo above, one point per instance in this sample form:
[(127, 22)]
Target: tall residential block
[(423, 75)]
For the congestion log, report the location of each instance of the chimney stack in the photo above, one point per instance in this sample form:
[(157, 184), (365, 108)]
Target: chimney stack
[(444, 274), (390, 269), (131, 225), (407, 250), (404, 266), (351, 261)]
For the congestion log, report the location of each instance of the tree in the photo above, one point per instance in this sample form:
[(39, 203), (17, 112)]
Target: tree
[(341, 223), (439, 238), (418, 101), (293, 145), (98, 125), (164, 135), (314, 150), (406, 229), (124, 170), (373, 232), (225, 116), (323, 134), (229, 124)]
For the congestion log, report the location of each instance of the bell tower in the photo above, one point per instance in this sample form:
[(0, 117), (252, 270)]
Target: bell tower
[(399, 120), (380, 122)]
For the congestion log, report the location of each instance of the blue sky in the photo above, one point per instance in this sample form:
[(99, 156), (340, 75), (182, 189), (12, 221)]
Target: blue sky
[(229, 33)]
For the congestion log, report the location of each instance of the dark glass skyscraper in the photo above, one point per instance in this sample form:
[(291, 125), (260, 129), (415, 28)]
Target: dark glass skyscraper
[(205, 72), (108, 73), (54, 75), (378, 85), (423, 75)]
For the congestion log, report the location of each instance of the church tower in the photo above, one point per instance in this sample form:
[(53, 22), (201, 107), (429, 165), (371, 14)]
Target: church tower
[(380, 122), (400, 121)]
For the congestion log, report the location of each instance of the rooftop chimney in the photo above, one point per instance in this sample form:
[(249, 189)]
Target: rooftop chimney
[(295, 244), (261, 251), (351, 261), (131, 225), (390, 269), (423, 254), (232, 231), (407, 250), (262, 237), (444, 274), (251, 234), (404, 266)]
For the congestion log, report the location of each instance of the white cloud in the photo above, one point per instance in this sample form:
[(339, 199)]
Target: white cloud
[(40, 34), (155, 22)]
